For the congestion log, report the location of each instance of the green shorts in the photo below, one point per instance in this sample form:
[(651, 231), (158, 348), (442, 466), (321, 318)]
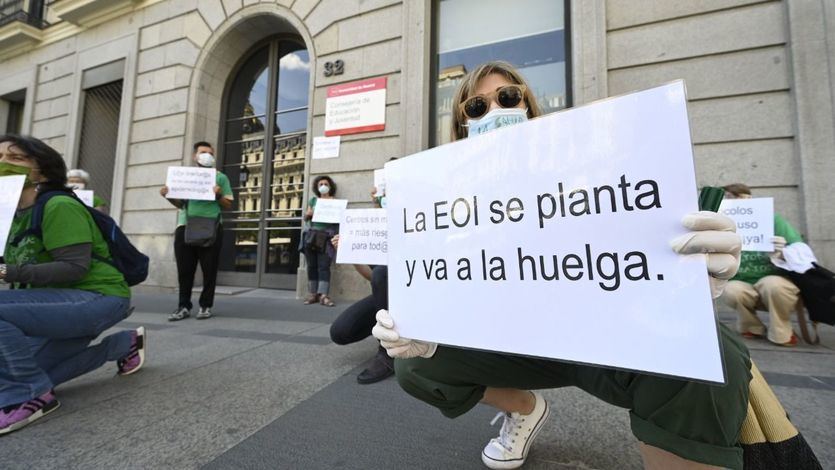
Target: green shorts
[(695, 421)]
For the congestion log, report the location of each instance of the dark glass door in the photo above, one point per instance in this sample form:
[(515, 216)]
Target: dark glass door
[(264, 155)]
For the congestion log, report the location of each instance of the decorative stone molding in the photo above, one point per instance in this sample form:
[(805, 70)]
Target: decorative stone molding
[(16, 35), (88, 12)]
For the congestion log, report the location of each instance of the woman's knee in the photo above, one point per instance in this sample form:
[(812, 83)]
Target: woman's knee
[(338, 334)]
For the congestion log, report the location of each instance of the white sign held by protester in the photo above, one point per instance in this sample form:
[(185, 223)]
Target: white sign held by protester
[(326, 147), (551, 238), (380, 182), (754, 221), (86, 196), (10, 189), (191, 182), (329, 211), (362, 237)]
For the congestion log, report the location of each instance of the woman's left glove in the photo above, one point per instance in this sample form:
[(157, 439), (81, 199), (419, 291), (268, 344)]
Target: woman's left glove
[(402, 348), (715, 235)]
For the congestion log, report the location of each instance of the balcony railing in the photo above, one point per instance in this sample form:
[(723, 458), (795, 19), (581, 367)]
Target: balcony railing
[(30, 12)]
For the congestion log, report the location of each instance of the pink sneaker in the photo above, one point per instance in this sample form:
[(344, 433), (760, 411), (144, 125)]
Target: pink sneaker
[(135, 358), (17, 416)]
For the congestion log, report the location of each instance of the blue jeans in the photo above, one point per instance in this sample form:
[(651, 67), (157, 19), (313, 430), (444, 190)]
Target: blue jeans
[(45, 337)]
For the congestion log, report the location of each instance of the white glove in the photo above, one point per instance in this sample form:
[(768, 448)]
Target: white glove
[(715, 235), (396, 346), (779, 244)]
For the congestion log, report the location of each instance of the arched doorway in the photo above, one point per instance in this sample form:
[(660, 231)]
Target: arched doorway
[(262, 150)]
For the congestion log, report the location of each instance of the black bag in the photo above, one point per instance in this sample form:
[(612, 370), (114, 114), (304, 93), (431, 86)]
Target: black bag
[(201, 231), (817, 289), (316, 241)]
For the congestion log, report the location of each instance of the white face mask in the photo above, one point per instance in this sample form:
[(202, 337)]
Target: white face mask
[(324, 189), (78, 186), (206, 159), (500, 117)]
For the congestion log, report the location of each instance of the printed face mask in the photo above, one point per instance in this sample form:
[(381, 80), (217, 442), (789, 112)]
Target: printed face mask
[(9, 169), (500, 117), (324, 189), (206, 160)]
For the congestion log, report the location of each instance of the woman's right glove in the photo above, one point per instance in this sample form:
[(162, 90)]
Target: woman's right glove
[(402, 348)]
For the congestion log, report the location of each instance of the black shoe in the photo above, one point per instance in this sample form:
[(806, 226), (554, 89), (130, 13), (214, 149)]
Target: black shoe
[(382, 367)]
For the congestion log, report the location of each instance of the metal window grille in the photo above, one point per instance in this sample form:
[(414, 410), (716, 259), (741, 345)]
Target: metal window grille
[(99, 132)]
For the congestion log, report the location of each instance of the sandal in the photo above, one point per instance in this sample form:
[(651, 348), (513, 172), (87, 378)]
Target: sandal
[(326, 301), (311, 299)]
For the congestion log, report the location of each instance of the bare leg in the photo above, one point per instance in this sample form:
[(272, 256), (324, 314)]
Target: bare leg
[(660, 459), (510, 400)]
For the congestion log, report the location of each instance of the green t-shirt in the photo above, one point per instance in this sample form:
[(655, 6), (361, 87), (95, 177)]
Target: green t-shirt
[(66, 222), (209, 209), (319, 225), (98, 202), (755, 265)]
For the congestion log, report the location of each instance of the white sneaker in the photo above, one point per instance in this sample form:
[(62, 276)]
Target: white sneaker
[(204, 313), (510, 449)]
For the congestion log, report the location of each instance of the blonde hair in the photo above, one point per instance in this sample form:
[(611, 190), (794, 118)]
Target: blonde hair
[(470, 82)]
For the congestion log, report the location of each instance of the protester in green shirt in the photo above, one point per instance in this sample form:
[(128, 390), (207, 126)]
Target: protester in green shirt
[(319, 253), (80, 179), (758, 286), (679, 423), (64, 296), (207, 255)]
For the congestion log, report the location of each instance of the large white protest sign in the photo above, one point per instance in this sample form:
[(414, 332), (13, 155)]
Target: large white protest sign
[(362, 237), (10, 189), (754, 221), (329, 211), (191, 182), (86, 196), (551, 238)]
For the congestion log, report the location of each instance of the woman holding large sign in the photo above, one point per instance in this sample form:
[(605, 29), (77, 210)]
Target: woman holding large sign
[(71, 295), (680, 423), (318, 250)]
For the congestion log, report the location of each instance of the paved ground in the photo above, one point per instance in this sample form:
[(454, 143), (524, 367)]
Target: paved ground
[(260, 386)]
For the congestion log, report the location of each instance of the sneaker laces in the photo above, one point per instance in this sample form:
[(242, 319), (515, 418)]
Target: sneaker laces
[(509, 430)]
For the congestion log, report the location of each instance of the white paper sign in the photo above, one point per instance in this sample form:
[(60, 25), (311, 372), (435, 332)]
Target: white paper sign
[(191, 182), (86, 196), (551, 238), (326, 147), (380, 182), (754, 221), (329, 211), (363, 237), (10, 189)]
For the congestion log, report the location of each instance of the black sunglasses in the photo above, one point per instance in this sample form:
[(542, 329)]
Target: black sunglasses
[(508, 96)]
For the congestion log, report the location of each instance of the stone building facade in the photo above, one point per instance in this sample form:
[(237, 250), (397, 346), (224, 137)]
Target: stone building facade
[(123, 87)]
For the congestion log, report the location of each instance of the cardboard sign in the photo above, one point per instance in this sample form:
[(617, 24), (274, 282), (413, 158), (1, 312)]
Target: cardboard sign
[(352, 108), (363, 237), (10, 189), (191, 182), (754, 221), (86, 196), (326, 147), (550, 238), (380, 182), (329, 211)]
